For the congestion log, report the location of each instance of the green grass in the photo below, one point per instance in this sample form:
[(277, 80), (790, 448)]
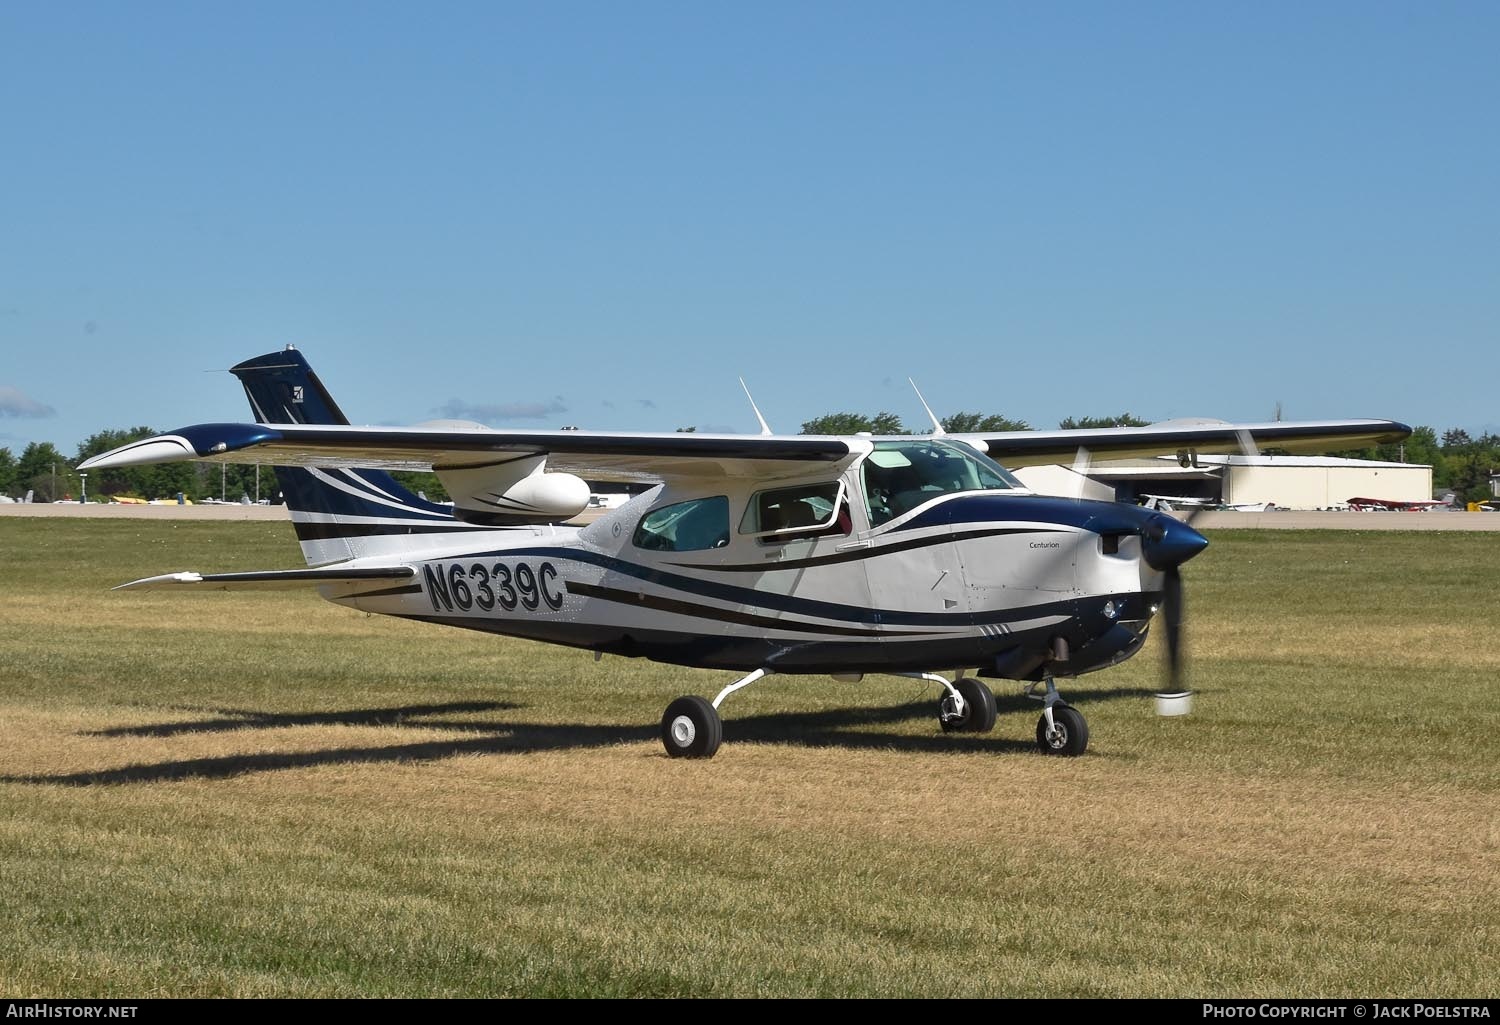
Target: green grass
[(263, 794)]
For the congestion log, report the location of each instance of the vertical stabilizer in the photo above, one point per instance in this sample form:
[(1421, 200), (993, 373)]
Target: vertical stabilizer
[(338, 513)]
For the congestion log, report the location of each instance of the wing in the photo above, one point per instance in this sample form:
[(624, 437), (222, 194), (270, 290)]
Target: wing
[(1041, 448), (652, 458), (645, 458), (301, 425)]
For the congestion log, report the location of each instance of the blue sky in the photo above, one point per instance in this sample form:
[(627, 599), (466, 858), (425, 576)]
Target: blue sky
[(600, 214)]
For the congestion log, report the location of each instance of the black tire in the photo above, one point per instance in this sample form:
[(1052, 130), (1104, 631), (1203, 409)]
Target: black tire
[(979, 708), (1073, 733), (691, 728)]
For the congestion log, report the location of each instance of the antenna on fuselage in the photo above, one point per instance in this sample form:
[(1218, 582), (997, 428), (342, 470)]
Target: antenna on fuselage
[(937, 428), (765, 428)]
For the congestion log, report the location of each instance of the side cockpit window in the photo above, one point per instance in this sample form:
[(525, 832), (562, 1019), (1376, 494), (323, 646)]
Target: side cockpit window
[(795, 513), (692, 526)]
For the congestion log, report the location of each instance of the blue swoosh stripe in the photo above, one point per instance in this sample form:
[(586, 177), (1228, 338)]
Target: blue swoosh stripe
[(785, 603)]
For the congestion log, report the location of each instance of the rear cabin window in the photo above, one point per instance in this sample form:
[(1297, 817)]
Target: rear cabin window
[(810, 506), (692, 526)]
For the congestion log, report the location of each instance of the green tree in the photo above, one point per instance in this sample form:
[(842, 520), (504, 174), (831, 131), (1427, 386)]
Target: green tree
[(1461, 461), (43, 469), (1470, 462), (1094, 423), (1422, 447), (7, 472), (154, 480), (227, 481), (118, 480), (687, 430), (976, 423), (1470, 474), (854, 423)]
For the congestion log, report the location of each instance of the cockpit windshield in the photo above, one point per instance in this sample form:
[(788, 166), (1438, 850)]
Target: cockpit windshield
[(901, 475)]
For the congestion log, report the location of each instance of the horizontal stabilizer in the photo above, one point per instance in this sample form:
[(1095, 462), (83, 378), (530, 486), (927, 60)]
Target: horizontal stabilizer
[(268, 580)]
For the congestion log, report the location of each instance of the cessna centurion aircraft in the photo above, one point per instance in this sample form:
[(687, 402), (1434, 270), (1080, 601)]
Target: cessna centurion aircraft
[(760, 554)]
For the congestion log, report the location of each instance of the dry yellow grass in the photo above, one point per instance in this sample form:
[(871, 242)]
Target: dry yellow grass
[(264, 794)]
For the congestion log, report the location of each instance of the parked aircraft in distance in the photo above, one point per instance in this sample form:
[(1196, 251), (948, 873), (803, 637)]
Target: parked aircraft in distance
[(1172, 503), (1392, 505)]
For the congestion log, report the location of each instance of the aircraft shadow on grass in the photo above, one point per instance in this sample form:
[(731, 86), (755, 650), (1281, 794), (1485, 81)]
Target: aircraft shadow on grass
[(228, 720), (841, 728)]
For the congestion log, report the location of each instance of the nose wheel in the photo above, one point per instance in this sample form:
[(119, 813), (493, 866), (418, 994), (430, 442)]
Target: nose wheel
[(1062, 731)]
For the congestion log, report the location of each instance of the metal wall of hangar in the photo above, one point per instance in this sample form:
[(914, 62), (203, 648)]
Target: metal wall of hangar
[(1291, 482), (1320, 482)]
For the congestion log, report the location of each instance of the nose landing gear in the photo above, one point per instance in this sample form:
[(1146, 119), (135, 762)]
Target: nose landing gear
[(1061, 730)]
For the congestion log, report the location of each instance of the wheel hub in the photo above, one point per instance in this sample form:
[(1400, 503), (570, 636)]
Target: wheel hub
[(949, 710), (683, 731)]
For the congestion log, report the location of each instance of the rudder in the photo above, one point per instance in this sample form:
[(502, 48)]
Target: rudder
[(338, 513)]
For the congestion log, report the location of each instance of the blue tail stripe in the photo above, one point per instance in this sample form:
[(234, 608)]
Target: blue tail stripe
[(283, 389)]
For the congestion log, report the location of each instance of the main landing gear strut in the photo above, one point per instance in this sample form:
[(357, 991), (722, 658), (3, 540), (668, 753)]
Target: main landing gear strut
[(967, 705), (691, 727)]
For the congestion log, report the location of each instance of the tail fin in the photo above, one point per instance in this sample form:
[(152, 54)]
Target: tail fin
[(338, 513)]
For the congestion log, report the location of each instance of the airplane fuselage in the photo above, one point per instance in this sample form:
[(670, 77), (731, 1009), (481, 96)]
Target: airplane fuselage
[(983, 580)]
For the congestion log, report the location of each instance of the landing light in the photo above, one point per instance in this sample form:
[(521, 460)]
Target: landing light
[(1110, 612)]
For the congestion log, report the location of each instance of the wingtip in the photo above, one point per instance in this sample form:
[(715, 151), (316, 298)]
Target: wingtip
[(164, 448), (148, 583)]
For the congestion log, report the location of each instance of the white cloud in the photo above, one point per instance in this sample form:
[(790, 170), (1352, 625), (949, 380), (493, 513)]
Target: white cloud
[(15, 402), (457, 409)]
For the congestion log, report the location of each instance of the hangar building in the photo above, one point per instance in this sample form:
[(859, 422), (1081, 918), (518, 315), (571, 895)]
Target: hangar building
[(1290, 482)]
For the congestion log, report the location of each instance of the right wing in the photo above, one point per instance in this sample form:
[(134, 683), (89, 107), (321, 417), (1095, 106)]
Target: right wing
[(1041, 448)]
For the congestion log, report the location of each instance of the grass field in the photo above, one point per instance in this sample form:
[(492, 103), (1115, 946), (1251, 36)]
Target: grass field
[(264, 794)]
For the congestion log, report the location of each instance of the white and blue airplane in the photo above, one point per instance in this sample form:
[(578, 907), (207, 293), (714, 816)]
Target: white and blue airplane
[(759, 554)]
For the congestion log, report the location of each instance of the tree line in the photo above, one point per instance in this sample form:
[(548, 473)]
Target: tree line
[(958, 423), (1460, 461)]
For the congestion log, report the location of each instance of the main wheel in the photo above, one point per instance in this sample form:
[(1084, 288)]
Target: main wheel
[(691, 728), (1071, 736), (979, 708)]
